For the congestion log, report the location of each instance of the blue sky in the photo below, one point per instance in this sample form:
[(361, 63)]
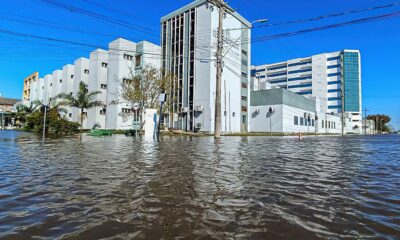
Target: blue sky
[(378, 41)]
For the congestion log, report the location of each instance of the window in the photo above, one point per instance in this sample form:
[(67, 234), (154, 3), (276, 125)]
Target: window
[(334, 58), (334, 74), (334, 90), (244, 109), (103, 86), (299, 63), (313, 122), (126, 110), (86, 71), (244, 85), (334, 99), (300, 71), (127, 81), (72, 76), (104, 65), (334, 66), (323, 123), (276, 67), (244, 98), (128, 57), (138, 60), (244, 52), (51, 84), (296, 120), (244, 75), (102, 111), (60, 80), (329, 124), (70, 114), (300, 85), (334, 82), (244, 119), (301, 121)]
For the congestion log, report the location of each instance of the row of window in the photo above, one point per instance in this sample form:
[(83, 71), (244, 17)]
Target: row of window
[(300, 85), (334, 74), (304, 121), (299, 64), (334, 58), (334, 66), (334, 99), (300, 71), (311, 122), (328, 124), (334, 82), (300, 78), (276, 68)]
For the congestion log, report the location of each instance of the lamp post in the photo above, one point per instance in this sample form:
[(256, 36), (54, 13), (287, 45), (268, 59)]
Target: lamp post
[(162, 99), (135, 117)]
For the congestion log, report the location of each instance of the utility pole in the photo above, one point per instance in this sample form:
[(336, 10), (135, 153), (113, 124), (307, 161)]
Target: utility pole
[(219, 65)]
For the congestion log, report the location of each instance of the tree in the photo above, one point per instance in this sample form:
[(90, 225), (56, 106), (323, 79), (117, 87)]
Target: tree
[(83, 100), (381, 122), (144, 87), (25, 110)]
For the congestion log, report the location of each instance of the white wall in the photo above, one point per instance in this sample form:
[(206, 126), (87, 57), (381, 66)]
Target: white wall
[(205, 72), (97, 78), (67, 85), (48, 82), (81, 65), (118, 68)]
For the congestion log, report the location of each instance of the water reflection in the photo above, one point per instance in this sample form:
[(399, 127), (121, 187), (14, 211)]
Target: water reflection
[(240, 188)]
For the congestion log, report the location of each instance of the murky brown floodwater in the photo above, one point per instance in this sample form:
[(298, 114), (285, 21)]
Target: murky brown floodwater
[(182, 188)]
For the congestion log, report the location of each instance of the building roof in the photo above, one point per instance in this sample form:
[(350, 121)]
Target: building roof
[(8, 101), (280, 96), (197, 3)]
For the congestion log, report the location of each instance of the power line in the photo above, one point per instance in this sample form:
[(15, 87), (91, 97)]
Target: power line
[(99, 16), (332, 15), (331, 26)]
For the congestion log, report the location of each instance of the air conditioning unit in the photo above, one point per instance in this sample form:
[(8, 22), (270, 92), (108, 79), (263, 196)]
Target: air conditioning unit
[(198, 108), (184, 109)]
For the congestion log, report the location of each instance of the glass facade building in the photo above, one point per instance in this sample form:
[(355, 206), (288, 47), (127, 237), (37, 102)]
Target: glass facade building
[(351, 81)]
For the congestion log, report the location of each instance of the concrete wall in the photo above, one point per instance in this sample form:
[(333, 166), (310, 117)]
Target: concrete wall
[(98, 82), (67, 86), (118, 69), (80, 75)]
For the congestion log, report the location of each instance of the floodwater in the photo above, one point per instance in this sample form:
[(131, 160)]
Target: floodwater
[(195, 188)]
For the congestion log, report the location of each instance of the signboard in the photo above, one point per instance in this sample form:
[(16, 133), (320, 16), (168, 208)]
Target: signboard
[(151, 123), (163, 97)]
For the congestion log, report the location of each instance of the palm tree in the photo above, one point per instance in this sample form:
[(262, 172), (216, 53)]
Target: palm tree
[(25, 110), (83, 100)]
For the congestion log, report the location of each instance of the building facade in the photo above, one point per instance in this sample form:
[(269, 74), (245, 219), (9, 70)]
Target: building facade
[(282, 111), (334, 78), (98, 82), (125, 59), (104, 71), (28, 82), (188, 42)]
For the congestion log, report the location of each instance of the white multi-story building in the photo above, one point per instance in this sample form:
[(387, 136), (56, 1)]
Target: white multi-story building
[(56, 84), (105, 71), (98, 82), (188, 48), (67, 86), (48, 83), (332, 78), (81, 74), (125, 57)]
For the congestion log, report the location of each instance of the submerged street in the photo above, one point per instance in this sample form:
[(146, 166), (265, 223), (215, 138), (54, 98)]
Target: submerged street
[(239, 188)]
